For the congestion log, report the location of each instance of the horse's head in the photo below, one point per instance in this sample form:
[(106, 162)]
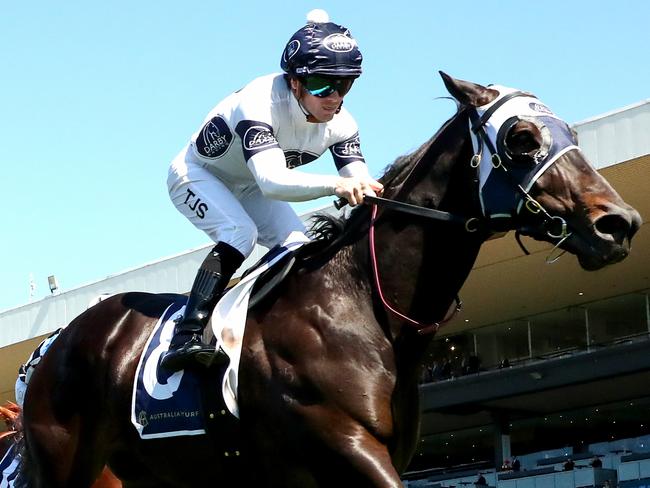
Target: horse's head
[(533, 177)]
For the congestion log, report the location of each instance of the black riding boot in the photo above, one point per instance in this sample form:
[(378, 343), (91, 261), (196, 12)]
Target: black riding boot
[(187, 346)]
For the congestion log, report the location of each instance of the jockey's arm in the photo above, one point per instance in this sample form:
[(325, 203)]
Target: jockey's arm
[(281, 183)]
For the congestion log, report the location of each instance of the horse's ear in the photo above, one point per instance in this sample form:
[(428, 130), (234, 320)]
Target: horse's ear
[(468, 93)]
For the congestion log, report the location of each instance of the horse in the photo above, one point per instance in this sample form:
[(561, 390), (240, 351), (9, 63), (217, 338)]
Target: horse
[(328, 377)]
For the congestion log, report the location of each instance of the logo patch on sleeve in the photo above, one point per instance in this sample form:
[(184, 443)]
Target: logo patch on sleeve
[(348, 149), (345, 152), (298, 158), (214, 139), (256, 137)]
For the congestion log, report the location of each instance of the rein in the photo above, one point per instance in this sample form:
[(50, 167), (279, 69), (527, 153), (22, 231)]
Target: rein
[(471, 224), (422, 328)]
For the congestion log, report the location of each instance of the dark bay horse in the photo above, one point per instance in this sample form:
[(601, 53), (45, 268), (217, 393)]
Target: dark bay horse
[(330, 364)]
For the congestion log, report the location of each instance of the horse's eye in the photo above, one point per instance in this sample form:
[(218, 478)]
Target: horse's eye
[(523, 141)]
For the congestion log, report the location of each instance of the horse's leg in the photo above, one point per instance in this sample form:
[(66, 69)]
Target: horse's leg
[(364, 460), (66, 429), (317, 448), (61, 453)]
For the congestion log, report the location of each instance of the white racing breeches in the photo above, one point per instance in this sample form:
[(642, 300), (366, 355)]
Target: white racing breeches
[(239, 215)]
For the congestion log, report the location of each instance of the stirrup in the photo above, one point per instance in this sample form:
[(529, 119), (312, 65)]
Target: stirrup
[(193, 353), (215, 357)]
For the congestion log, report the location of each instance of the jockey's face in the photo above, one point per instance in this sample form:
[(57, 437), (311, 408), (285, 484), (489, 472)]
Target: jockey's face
[(321, 109)]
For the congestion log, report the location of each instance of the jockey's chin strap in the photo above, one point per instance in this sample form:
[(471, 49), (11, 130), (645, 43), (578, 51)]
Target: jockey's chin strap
[(422, 328)]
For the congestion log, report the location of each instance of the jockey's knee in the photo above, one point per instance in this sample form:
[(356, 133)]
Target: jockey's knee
[(243, 237)]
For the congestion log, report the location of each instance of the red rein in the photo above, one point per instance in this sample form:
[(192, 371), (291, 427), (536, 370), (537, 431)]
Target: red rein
[(422, 328)]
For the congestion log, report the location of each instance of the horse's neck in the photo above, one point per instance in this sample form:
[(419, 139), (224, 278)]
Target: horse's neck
[(423, 263)]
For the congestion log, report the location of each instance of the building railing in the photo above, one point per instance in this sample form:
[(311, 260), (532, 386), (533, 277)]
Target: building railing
[(551, 335)]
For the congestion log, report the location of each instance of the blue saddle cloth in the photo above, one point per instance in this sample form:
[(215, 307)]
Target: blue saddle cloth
[(165, 403)]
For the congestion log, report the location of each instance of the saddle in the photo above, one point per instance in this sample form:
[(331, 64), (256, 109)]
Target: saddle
[(269, 280)]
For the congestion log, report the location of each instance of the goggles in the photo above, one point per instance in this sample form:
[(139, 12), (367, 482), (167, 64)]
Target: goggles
[(322, 86)]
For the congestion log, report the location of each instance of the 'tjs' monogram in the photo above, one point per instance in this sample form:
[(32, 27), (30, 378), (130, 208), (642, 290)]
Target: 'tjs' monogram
[(196, 205)]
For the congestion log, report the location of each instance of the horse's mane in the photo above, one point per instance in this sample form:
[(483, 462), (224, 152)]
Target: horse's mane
[(330, 233)]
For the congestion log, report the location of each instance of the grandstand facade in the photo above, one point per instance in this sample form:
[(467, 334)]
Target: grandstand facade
[(545, 361)]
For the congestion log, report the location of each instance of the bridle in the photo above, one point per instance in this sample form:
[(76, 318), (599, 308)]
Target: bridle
[(554, 227)]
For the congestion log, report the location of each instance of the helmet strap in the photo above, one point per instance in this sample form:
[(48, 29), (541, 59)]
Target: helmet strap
[(304, 110), (308, 115), (298, 93)]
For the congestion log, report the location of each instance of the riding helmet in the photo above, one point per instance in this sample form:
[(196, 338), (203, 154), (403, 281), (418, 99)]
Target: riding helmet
[(322, 47)]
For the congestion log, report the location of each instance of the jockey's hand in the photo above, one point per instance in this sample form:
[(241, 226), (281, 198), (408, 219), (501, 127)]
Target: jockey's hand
[(354, 188)]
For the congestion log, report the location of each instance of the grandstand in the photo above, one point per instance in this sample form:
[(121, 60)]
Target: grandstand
[(546, 362)]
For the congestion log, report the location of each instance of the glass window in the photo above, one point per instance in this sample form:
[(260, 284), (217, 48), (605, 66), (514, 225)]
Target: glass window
[(552, 334), (506, 341), (558, 332), (616, 318)]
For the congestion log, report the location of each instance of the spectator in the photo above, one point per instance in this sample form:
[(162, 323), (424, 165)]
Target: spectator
[(480, 481), (471, 364), (516, 465), (568, 466), (445, 372), (596, 462), (474, 364), (436, 373), (505, 363)]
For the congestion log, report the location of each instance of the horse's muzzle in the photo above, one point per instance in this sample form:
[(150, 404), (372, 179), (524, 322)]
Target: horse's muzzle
[(619, 227), (612, 238)]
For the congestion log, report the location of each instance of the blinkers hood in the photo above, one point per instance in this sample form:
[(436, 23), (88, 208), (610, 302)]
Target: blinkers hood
[(498, 200)]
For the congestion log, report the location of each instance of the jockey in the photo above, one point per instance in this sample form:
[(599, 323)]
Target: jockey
[(234, 178)]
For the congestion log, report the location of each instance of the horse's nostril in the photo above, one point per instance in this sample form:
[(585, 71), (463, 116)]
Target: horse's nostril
[(614, 225)]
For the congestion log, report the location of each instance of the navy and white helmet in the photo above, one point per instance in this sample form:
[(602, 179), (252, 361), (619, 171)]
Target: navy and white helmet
[(322, 47)]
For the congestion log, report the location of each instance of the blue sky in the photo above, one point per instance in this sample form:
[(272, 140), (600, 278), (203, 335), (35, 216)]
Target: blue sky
[(98, 97)]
